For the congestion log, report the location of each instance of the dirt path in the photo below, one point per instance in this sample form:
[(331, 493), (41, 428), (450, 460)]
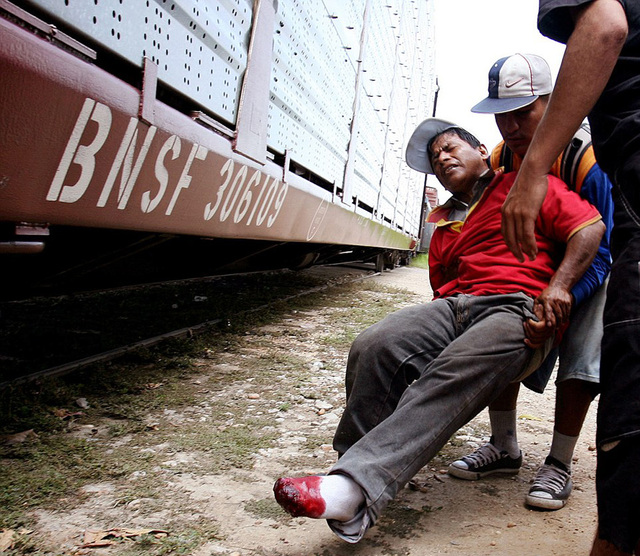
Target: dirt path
[(196, 484)]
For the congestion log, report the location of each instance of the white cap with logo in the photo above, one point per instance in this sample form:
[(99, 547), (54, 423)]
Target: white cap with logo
[(515, 81)]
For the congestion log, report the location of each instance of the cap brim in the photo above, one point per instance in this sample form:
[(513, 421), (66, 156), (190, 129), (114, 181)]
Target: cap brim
[(500, 105), (416, 155)]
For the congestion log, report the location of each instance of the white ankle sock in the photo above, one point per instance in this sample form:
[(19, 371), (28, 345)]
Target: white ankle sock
[(335, 497), (503, 430), (562, 448), (342, 495)]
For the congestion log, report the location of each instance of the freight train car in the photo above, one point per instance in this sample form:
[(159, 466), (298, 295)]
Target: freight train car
[(173, 138)]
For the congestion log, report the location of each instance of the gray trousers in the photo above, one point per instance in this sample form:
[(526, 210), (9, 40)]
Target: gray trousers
[(414, 379)]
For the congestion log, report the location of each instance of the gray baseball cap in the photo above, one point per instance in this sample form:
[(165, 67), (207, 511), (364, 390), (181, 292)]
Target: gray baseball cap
[(417, 156)]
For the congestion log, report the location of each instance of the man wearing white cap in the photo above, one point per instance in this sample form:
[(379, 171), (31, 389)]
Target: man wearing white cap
[(519, 88), (418, 375)]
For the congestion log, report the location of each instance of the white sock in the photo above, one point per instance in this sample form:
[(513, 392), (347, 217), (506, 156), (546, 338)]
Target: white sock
[(562, 447), (335, 497), (503, 431), (342, 495)]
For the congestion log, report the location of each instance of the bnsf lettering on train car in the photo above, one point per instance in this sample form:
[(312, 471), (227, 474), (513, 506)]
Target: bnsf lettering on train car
[(245, 194), (230, 192)]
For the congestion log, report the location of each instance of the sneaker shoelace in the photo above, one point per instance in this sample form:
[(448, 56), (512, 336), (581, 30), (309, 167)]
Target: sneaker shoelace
[(482, 456), (550, 478)]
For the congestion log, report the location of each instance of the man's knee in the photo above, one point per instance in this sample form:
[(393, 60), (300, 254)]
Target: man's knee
[(363, 355), (379, 337)]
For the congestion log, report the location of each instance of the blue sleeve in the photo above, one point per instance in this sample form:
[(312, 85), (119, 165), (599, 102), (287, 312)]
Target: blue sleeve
[(596, 189)]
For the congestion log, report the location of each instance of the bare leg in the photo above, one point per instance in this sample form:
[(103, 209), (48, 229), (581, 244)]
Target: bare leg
[(506, 401), (573, 398)]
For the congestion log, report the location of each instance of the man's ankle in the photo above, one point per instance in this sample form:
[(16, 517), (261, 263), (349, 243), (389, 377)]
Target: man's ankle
[(335, 497)]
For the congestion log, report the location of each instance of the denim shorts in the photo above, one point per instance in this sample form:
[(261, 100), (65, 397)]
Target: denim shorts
[(579, 351)]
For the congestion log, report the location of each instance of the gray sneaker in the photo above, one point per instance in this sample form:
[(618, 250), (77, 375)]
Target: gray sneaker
[(551, 487), (486, 460)]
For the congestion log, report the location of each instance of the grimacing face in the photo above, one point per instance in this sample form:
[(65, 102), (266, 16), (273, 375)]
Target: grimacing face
[(517, 127), (457, 164)]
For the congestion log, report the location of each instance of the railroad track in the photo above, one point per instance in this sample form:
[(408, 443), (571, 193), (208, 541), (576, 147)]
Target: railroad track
[(46, 337)]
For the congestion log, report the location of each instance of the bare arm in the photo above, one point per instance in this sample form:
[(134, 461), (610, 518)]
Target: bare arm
[(592, 51), (581, 249), (553, 305)]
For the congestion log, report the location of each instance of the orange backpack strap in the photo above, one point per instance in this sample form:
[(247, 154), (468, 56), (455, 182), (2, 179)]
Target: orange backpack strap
[(577, 158), (571, 167), (502, 157)]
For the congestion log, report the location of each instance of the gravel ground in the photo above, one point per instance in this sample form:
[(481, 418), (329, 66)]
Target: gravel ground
[(194, 480)]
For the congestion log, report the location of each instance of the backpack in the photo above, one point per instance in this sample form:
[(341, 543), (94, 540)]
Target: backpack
[(578, 152)]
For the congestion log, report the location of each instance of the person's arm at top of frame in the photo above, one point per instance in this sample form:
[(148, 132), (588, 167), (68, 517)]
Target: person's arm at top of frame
[(592, 51)]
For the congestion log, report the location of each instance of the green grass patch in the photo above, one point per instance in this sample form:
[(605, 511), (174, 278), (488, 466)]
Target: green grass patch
[(420, 261), (40, 472)]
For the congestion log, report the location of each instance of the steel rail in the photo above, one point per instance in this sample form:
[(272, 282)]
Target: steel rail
[(185, 332)]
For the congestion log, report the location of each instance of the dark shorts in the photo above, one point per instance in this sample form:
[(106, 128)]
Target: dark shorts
[(618, 492)]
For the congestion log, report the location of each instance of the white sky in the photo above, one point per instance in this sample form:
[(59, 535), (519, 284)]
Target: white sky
[(470, 36)]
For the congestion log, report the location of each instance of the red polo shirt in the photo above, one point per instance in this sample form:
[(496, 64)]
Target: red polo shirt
[(485, 266)]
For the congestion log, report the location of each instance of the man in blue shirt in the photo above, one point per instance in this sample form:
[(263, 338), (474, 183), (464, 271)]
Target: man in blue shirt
[(519, 89)]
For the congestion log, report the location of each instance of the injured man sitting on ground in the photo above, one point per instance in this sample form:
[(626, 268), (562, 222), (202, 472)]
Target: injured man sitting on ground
[(414, 378)]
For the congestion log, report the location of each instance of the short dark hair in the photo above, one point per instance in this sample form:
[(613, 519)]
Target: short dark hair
[(460, 132)]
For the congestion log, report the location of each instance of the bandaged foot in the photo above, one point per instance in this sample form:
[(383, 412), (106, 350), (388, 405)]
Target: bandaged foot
[(320, 497)]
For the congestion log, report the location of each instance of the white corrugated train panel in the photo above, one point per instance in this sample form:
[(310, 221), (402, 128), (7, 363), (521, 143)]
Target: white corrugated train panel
[(346, 16), (409, 66), (377, 82), (201, 50), (369, 155), (313, 85), (399, 96), (200, 47)]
